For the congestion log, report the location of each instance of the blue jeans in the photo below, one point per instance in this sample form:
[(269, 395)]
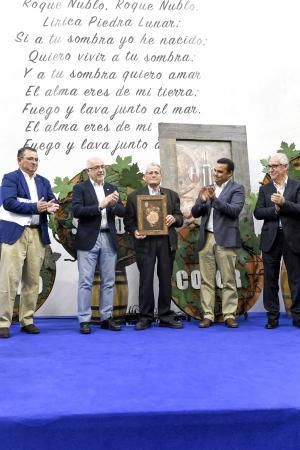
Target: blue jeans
[(105, 255)]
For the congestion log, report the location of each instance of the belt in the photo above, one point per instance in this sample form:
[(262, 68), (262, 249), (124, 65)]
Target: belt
[(32, 226), (208, 231), (104, 230)]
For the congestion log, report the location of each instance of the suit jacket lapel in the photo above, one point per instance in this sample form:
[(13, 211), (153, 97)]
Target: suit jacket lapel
[(269, 190), (24, 184), (39, 186), (169, 204), (287, 188), (144, 191), (92, 191), (270, 186), (226, 188), (107, 189)]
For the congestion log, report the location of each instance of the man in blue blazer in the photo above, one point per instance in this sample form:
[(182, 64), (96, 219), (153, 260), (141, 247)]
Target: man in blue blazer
[(96, 203), (26, 197), (219, 207), (278, 204)]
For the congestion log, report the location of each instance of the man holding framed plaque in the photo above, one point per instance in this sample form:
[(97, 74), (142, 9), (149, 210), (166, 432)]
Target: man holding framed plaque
[(152, 213)]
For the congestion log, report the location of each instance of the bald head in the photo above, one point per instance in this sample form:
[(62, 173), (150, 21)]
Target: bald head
[(96, 169)]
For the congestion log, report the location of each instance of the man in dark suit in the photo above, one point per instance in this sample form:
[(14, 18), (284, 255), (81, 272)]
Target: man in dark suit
[(149, 249), (96, 203), (278, 204), (219, 207), (27, 198)]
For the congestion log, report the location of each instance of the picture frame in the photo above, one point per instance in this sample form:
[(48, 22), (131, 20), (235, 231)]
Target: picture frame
[(188, 153), (152, 212)]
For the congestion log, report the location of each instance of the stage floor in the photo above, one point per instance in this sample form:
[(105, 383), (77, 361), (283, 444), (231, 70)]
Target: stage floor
[(215, 388)]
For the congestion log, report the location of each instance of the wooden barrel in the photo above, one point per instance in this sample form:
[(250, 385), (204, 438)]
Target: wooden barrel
[(285, 289), (255, 280), (186, 269), (120, 296)]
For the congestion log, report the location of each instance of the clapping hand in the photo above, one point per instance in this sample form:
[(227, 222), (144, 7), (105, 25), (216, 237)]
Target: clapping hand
[(42, 205), (52, 206), (278, 199), (111, 199), (207, 193)]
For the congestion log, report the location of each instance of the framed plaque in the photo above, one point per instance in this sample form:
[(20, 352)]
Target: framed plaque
[(152, 212), (188, 153)]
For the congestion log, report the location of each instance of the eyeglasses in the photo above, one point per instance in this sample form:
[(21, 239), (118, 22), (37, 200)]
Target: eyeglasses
[(31, 158), (274, 166), (153, 172), (96, 168)]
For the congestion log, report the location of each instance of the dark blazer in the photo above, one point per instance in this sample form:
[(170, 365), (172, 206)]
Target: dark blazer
[(13, 186), (289, 215), (227, 208), (86, 208), (131, 215)]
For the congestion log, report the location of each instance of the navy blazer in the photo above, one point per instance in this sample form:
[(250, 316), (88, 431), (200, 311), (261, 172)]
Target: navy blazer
[(85, 207), (13, 186), (131, 217), (289, 215), (227, 208)]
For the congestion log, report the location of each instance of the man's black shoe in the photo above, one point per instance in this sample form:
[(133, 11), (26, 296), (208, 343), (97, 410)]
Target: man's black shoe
[(271, 324), (85, 328), (110, 324), (142, 324), (30, 329), (296, 323), (171, 323), (4, 332)]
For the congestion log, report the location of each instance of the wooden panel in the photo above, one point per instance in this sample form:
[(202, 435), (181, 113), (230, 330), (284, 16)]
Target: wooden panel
[(170, 133)]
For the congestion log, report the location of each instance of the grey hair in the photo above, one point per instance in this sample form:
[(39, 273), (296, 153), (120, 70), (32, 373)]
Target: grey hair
[(282, 158), (153, 164), (93, 156)]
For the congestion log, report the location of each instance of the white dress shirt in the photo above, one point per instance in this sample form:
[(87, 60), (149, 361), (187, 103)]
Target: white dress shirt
[(35, 218), (280, 190), (218, 190), (101, 196), (152, 191)]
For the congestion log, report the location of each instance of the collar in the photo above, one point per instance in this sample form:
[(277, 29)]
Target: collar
[(96, 184), (26, 176), (152, 192), (222, 185), (277, 186)]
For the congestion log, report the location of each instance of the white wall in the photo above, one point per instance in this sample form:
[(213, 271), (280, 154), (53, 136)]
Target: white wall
[(247, 55)]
